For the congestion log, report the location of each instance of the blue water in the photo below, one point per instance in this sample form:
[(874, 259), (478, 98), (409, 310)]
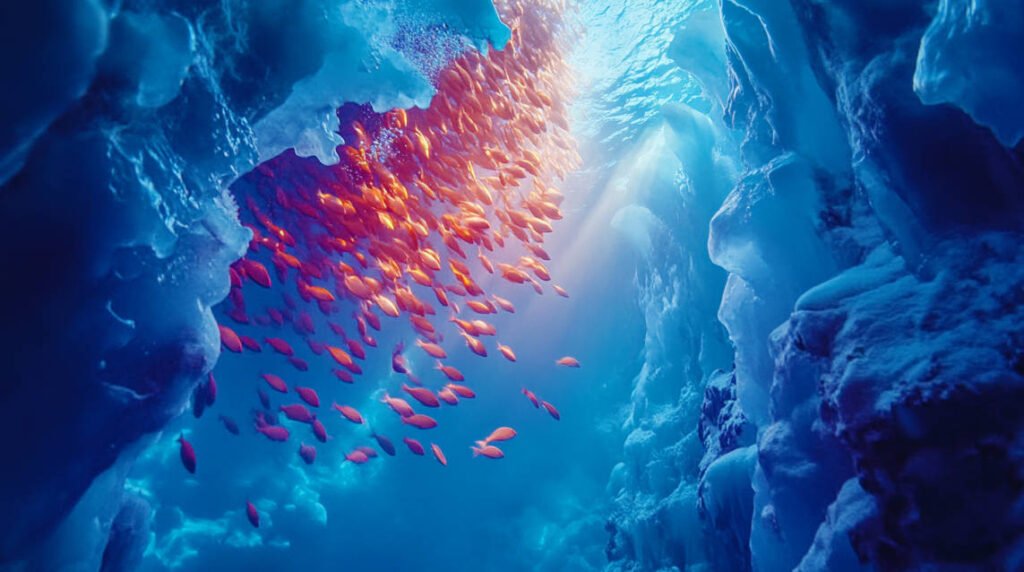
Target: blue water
[(792, 250)]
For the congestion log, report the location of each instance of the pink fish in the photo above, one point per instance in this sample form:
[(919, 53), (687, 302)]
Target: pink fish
[(280, 346), (370, 452), (319, 431), (297, 412), (500, 434), (450, 372), (357, 457), (551, 410), (273, 432), (188, 454), (439, 454), (568, 361), (414, 446), (349, 413), (230, 339), (489, 451), (308, 395), (299, 363), (398, 405), (420, 421), (423, 395), (448, 396), (398, 360), (275, 382), (533, 398), (344, 375), (461, 390), (251, 344)]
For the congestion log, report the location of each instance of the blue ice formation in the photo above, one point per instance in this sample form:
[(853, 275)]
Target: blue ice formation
[(121, 126), (864, 163)]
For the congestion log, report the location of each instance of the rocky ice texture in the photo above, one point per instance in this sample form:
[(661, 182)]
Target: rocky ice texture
[(121, 125), (872, 238)]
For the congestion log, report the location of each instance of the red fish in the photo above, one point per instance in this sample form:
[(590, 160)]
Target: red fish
[(349, 413), (252, 514), (188, 454), (420, 421), (257, 272), (308, 395), (230, 339), (422, 394), (250, 344), (275, 382), (414, 446)]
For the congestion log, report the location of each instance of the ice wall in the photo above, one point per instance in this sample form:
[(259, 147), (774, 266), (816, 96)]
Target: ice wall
[(870, 227), (121, 125)]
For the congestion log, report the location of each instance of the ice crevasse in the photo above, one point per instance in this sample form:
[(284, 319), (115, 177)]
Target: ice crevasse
[(860, 176), (832, 284)]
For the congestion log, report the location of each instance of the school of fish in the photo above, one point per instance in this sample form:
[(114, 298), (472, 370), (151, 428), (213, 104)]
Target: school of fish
[(422, 202)]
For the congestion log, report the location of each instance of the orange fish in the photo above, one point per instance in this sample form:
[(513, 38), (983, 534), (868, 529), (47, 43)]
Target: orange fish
[(504, 304), (420, 421), (568, 361), (230, 339), (433, 350), (450, 372), (500, 434), (461, 390), (507, 352), (349, 413), (439, 454), (489, 451), (398, 405), (422, 394)]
